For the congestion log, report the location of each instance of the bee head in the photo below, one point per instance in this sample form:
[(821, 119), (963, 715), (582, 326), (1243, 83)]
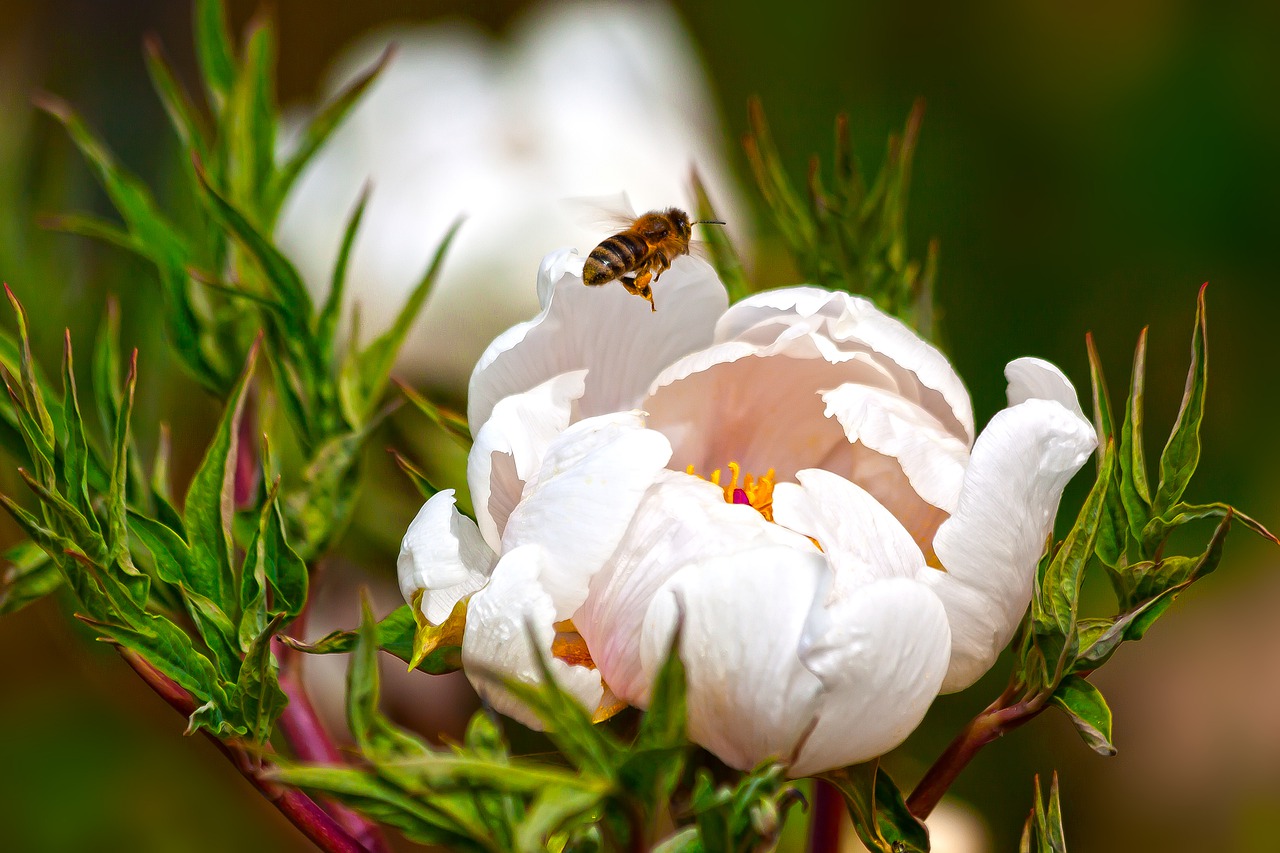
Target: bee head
[(680, 222)]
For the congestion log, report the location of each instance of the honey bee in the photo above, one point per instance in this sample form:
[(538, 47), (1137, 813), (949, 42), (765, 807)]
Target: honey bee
[(637, 256)]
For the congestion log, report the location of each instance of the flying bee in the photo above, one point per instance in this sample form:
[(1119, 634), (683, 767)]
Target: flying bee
[(637, 256)]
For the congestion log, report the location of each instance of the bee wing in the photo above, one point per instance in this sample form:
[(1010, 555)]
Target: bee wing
[(607, 213)]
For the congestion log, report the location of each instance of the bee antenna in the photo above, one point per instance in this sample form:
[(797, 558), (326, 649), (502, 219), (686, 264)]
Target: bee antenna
[(709, 222)]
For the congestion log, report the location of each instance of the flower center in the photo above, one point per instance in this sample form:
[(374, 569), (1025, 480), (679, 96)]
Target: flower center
[(755, 492)]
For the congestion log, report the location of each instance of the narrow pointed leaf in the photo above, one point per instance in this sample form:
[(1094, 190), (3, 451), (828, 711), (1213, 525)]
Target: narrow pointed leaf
[(1182, 452)]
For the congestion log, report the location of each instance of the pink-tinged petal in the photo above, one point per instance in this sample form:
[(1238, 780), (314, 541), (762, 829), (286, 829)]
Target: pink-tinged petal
[(990, 546), (881, 653), (582, 499), (443, 555), (853, 323), (508, 449), (932, 458), (722, 404), (496, 642), (1036, 379), (742, 616), (862, 540), (682, 520), (605, 329)]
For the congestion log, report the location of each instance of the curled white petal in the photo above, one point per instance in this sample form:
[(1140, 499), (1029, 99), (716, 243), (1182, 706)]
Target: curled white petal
[(682, 520), (508, 449), (741, 619), (582, 500), (881, 654), (443, 555), (1036, 379), (497, 642), (989, 548)]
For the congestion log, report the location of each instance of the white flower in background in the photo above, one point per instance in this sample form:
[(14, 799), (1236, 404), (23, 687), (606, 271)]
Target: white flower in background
[(858, 551), (580, 100)]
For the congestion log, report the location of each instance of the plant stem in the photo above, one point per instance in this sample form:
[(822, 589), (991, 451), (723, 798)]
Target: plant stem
[(828, 810), (993, 723), (302, 811), (303, 730)]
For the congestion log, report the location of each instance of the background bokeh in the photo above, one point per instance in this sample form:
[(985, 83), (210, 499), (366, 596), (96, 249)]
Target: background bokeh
[(1085, 166)]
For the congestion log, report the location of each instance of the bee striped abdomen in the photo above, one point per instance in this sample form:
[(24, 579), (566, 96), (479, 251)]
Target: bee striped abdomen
[(615, 257)]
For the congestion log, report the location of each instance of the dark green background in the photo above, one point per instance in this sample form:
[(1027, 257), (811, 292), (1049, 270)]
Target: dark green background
[(1085, 165)]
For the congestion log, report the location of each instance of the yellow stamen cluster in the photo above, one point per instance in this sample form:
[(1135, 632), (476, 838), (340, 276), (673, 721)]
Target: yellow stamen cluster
[(741, 488)]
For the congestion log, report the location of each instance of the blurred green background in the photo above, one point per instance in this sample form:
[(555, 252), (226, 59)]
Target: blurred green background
[(1085, 166)]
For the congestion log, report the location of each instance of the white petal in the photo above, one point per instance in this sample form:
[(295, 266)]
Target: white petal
[(749, 696), (682, 520), (508, 449), (604, 329), (852, 321), (1036, 379), (932, 458), (496, 640), (862, 540), (881, 654), (1020, 464), (443, 554), (581, 502)]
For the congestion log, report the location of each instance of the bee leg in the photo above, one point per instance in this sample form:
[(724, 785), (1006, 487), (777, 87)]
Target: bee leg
[(640, 287)]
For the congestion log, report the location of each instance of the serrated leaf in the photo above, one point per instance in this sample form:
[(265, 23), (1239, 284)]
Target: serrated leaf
[(1088, 711), (1134, 491), (1043, 830), (879, 813), (258, 685), (1182, 452), (209, 504), (75, 448), (29, 575), (318, 131)]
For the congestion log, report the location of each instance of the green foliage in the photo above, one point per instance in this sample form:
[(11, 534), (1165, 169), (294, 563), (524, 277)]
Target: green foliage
[(851, 236), (169, 595), (879, 813), (226, 285), (1043, 830)]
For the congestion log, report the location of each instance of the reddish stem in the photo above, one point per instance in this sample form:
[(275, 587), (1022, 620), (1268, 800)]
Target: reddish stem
[(993, 723), (307, 737), (302, 811), (828, 813)]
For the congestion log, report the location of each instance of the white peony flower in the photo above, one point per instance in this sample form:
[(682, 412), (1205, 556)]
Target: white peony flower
[(580, 100), (795, 478)]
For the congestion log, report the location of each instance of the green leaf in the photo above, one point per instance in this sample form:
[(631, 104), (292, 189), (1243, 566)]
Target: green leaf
[(1182, 452), (452, 423), (117, 525), (213, 49), (395, 635), (1177, 575), (95, 228), (373, 365), (656, 760), (1043, 830), (31, 385), (878, 810), (330, 313), (1134, 491), (258, 685), (183, 114), (249, 122), (1159, 529), (1088, 711), (420, 480), (1056, 598), (209, 505), (29, 575), (75, 449), (724, 256), (318, 131), (377, 738)]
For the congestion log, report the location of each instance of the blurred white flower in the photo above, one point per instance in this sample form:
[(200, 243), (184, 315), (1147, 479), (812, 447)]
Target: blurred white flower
[(795, 478), (580, 100)]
